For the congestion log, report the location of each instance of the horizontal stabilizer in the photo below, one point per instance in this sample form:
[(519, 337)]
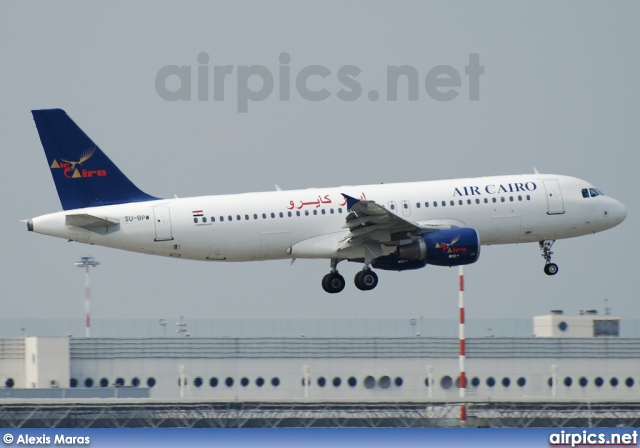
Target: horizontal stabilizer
[(89, 221)]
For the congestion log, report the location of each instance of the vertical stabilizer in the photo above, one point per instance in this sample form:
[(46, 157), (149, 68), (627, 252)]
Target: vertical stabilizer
[(83, 174)]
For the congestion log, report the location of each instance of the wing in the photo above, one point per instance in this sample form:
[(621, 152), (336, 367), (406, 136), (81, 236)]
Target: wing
[(369, 222), (370, 227)]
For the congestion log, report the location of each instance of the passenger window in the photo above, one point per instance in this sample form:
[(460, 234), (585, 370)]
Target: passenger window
[(502, 199), (289, 214), (221, 218), (255, 216), (585, 192), (468, 202), (324, 212), (452, 203), (273, 215), (494, 200), (195, 220), (315, 212), (264, 216), (339, 209), (239, 217), (306, 212), (331, 210), (213, 219), (486, 201), (246, 217), (435, 204), (230, 218), (417, 205), (298, 213), (477, 201), (281, 215), (444, 203), (426, 204)]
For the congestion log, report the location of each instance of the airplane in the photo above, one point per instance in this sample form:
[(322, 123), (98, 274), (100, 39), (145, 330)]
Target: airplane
[(397, 226)]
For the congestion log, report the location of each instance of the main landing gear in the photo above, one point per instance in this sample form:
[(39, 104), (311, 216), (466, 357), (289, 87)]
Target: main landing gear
[(366, 280), (549, 268), (333, 282)]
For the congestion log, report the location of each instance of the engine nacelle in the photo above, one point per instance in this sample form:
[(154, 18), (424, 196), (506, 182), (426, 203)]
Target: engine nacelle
[(394, 263), (452, 247)]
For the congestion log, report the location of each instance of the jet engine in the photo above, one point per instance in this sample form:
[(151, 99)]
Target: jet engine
[(451, 247)]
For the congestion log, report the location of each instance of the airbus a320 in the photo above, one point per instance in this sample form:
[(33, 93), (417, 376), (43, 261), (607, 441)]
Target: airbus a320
[(395, 227)]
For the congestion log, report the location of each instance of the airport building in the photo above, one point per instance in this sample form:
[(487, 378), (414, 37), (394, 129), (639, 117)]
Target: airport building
[(585, 362)]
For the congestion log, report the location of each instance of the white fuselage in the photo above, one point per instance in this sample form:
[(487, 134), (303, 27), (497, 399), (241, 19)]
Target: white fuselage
[(276, 225)]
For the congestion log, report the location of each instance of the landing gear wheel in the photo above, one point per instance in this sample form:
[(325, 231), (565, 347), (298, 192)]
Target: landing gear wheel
[(551, 269), (366, 280), (333, 283)]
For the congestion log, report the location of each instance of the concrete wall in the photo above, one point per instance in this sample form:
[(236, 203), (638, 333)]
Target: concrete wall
[(12, 365), (410, 375), (46, 362), (338, 368)]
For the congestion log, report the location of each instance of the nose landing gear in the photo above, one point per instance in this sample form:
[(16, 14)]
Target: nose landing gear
[(549, 268)]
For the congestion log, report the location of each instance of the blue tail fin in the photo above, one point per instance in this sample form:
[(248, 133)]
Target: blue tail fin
[(83, 174)]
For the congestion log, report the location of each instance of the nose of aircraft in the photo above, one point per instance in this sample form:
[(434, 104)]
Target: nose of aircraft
[(617, 211)]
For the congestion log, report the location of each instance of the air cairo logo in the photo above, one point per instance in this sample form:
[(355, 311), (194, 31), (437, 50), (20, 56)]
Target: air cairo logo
[(70, 170), (448, 249)]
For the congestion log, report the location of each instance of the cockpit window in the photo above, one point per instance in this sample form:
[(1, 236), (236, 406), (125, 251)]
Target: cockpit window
[(595, 192), (591, 192)]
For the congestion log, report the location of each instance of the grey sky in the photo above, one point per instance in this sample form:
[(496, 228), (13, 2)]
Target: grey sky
[(560, 92)]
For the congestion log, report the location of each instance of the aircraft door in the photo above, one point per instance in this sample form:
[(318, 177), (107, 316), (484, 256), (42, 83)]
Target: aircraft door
[(554, 197), (162, 220)]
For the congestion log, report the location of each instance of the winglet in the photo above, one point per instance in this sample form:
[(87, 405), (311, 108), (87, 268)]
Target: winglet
[(350, 201)]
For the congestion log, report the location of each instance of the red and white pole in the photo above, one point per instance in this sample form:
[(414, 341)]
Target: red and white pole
[(87, 299), (463, 378), (86, 262)]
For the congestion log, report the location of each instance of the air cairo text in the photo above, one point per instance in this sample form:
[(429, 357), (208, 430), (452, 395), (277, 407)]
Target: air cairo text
[(494, 189)]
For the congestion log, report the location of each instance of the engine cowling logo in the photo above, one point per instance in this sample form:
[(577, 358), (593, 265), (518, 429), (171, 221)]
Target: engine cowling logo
[(448, 248)]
